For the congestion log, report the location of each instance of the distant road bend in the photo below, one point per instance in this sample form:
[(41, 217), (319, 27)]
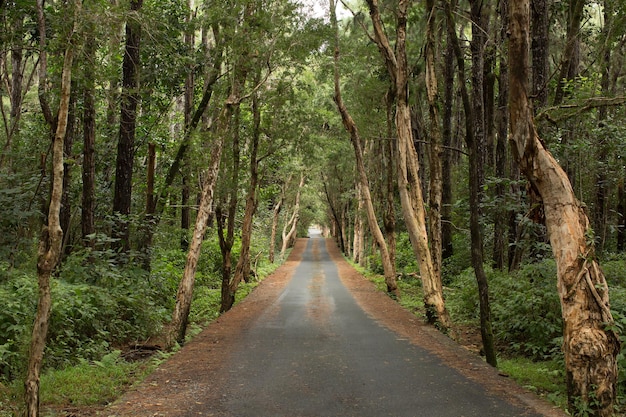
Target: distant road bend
[(310, 350)]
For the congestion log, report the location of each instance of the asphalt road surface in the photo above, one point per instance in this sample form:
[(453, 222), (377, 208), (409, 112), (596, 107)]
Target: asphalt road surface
[(314, 352)]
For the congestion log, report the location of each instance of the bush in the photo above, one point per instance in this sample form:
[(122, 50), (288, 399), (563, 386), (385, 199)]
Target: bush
[(526, 314)]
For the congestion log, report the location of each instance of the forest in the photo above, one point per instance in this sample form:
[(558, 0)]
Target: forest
[(160, 157)]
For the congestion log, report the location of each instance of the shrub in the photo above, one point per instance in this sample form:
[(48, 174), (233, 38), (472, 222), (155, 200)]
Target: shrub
[(526, 314)]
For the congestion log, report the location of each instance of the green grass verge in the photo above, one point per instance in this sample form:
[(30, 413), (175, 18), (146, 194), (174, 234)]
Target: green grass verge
[(546, 378)]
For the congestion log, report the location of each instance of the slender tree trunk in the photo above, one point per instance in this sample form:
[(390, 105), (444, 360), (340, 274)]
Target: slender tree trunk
[(227, 242), (570, 59), (499, 228), (128, 121), (185, 211), (351, 128), (600, 212), (89, 142), (65, 216), (589, 343), (540, 10), (180, 316), (621, 213), (275, 217), (242, 269), (292, 224), (446, 163), (52, 233), (473, 135), (388, 152), (335, 217), (409, 184), (436, 150)]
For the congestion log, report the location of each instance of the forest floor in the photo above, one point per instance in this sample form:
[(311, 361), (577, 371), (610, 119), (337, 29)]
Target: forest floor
[(180, 380)]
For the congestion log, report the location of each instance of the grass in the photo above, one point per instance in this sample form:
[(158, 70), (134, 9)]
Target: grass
[(545, 378), (96, 383)]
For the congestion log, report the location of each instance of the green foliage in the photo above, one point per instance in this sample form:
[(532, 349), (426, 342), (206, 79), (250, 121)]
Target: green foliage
[(89, 382), (406, 262), (546, 378), (525, 308), (19, 297)]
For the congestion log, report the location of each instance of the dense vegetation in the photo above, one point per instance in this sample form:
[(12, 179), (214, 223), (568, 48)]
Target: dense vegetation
[(251, 84)]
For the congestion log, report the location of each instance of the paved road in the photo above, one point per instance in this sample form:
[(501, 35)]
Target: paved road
[(315, 353)]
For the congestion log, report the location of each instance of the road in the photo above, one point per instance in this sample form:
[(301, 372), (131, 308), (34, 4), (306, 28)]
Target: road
[(315, 352)]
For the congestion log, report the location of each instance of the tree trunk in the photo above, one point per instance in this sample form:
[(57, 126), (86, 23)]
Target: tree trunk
[(227, 242), (473, 138), (52, 233), (436, 151), (178, 325), (540, 10), (589, 343), (292, 224), (499, 227), (128, 121), (600, 212), (275, 217), (409, 185), (65, 216), (364, 188), (242, 269), (89, 143), (621, 215), (446, 163), (570, 59)]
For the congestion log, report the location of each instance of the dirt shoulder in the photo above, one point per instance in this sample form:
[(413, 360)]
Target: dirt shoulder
[(197, 374)]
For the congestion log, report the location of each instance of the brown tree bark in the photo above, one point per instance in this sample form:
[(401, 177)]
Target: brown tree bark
[(447, 249), (408, 166), (540, 46), (364, 187), (184, 296), (600, 208), (473, 132), (275, 217), (500, 216), (65, 216), (128, 121), (435, 149), (292, 224), (89, 142), (227, 240), (52, 234), (242, 269), (589, 343)]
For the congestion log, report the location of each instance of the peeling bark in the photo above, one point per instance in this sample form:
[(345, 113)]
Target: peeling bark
[(589, 343), (364, 187), (409, 184), (52, 234)]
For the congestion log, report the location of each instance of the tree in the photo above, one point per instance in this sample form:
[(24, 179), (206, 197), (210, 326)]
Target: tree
[(128, 121), (291, 226), (408, 167), (363, 183), (589, 343), (474, 138), (52, 234)]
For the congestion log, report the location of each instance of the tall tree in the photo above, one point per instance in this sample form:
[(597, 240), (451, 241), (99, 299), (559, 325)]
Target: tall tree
[(473, 138), (435, 149), (364, 187), (51, 238), (124, 164), (242, 268), (589, 343), (409, 184), (499, 226)]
